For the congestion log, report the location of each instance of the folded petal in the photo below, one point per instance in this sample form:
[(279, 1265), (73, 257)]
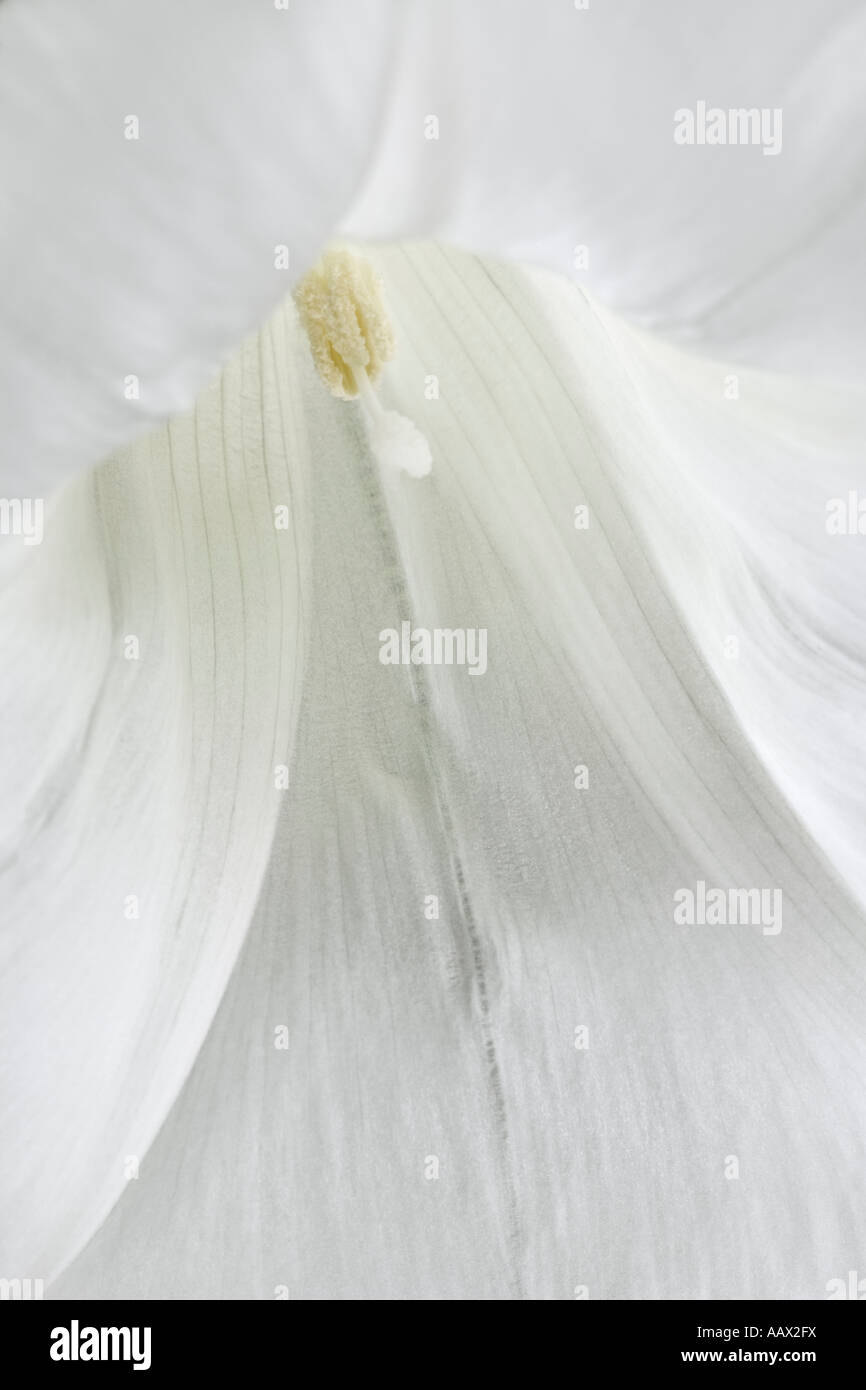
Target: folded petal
[(548, 133), (468, 1050), (167, 172), (155, 644)]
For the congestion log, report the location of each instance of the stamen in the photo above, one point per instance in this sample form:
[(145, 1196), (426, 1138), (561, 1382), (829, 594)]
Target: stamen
[(351, 337)]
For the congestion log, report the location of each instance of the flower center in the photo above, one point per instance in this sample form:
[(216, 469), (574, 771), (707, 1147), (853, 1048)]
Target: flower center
[(351, 338)]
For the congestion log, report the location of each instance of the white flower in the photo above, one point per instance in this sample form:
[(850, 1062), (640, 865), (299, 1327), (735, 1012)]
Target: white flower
[(341, 979)]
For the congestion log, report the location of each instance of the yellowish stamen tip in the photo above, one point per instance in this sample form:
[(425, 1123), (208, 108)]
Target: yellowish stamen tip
[(340, 303)]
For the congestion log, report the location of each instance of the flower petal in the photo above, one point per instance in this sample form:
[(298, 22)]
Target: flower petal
[(167, 172), (551, 1086), (156, 642)]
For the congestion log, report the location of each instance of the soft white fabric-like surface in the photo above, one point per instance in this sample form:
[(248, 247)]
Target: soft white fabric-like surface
[(556, 131), (455, 1038), (153, 1038), (261, 128), (143, 778), (153, 257)]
